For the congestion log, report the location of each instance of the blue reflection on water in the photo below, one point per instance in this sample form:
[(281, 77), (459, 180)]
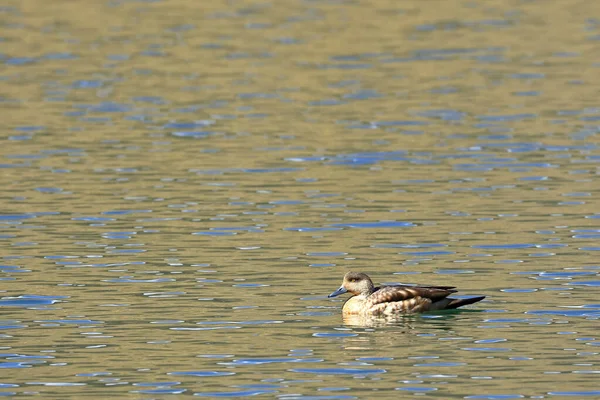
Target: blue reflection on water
[(29, 300), (575, 393)]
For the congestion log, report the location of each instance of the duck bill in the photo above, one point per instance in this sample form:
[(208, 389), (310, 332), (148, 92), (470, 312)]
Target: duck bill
[(341, 290)]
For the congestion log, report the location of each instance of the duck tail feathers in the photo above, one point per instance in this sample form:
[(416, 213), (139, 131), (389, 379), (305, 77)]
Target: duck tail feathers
[(455, 303)]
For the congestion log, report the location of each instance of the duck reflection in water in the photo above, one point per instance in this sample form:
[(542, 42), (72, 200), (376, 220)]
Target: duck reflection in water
[(368, 300)]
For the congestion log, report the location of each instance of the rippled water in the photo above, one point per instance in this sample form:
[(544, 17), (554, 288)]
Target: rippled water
[(184, 182)]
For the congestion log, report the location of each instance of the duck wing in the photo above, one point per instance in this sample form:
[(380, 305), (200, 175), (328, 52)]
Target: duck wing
[(389, 294)]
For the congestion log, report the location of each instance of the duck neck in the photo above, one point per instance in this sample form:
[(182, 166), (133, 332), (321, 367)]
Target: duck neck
[(368, 290)]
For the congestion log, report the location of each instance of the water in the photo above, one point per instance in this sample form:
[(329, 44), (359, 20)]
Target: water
[(185, 182)]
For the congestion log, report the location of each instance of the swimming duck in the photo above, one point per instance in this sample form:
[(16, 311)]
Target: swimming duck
[(390, 300)]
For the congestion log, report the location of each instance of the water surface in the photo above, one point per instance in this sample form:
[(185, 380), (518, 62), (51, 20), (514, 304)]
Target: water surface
[(184, 183)]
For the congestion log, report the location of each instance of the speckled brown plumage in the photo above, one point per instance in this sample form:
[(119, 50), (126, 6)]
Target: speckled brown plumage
[(390, 300)]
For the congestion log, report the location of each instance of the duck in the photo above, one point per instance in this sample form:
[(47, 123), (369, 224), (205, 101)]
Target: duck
[(391, 300)]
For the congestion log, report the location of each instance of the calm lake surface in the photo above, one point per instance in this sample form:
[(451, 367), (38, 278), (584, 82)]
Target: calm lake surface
[(184, 182)]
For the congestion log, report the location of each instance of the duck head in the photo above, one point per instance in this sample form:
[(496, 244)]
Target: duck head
[(355, 283)]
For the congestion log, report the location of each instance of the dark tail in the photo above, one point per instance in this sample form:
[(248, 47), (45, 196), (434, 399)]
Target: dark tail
[(455, 303)]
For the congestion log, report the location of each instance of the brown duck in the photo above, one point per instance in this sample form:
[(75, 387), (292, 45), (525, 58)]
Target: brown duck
[(390, 300)]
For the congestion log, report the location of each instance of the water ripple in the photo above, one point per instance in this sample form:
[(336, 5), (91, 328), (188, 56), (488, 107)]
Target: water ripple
[(243, 393), (201, 373), (339, 371)]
